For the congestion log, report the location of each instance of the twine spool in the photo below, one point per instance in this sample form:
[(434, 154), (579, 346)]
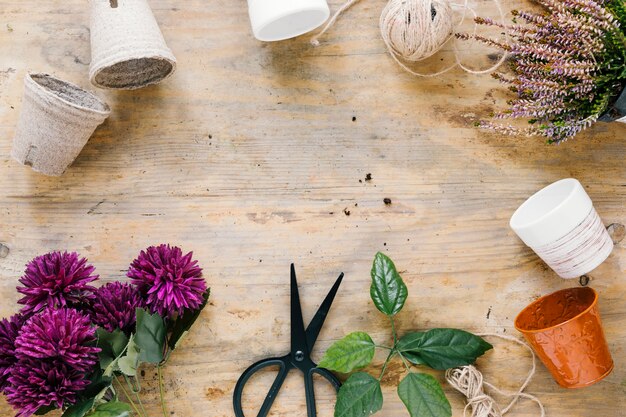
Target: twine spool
[(469, 381), (414, 30), (127, 47), (56, 120)]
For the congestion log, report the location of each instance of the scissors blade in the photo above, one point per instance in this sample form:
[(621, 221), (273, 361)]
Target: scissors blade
[(316, 324), (298, 334)]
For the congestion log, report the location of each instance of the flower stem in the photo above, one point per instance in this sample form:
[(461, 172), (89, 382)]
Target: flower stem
[(128, 397), (136, 392), (382, 372), (162, 391), (406, 364), (393, 329), (383, 347)]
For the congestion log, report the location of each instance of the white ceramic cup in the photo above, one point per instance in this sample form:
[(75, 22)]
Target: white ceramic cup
[(275, 20), (561, 225)]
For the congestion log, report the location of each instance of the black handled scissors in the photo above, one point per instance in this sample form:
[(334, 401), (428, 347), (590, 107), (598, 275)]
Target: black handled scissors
[(300, 356)]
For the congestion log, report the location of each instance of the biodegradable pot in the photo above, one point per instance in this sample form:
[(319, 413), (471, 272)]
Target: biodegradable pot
[(276, 20), (56, 121), (561, 225), (127, 48), (565, 330)]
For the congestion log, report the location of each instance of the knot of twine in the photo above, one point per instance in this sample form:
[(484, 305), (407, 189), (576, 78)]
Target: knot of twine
[(414, 30), (469, 381)]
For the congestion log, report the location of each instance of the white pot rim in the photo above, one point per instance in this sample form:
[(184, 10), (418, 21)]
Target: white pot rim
[(556, 221), (264, 14)]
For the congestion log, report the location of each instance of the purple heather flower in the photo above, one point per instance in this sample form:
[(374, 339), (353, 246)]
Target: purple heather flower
[(9, 329), (64, 335), (114, 306), (39, 383), (566, 65), (169, 282), (56, 279)]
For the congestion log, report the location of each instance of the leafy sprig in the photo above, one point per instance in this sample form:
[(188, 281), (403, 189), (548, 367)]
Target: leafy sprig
[(120, 358), (439, 349)]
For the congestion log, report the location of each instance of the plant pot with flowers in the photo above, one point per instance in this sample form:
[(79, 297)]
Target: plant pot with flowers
[(567, 67)]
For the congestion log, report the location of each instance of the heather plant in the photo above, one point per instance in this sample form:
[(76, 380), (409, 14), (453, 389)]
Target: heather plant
[(567, 66), (78, 348)]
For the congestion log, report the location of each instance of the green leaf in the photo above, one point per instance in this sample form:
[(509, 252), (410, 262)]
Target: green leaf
[(113, 345), (443, 348), (423, 397), (150, 336), (111, 409), (388, 291), (179, 327), (79, 409), (98, 384), (413, 358), (409, 342), (44, 410), (359, 396), (354, 351), (128, 363)]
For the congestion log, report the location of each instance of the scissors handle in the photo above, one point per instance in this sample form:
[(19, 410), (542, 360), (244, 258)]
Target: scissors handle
[(309, 389), (271, 395)]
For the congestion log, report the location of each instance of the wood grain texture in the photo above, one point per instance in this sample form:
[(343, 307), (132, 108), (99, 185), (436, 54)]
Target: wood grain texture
[(255, 155)]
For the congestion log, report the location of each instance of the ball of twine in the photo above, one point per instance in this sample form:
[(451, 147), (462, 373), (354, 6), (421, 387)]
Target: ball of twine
[(415, 30), (468, 380)]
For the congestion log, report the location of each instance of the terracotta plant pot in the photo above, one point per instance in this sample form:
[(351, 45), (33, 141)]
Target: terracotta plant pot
[(56, 121), (565, 331), (127, 48)]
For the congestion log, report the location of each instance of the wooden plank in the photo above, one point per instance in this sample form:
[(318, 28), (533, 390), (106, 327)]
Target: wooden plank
[(253, 154)]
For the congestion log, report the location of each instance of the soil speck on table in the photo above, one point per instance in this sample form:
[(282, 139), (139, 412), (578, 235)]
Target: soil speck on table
[(4, 250)]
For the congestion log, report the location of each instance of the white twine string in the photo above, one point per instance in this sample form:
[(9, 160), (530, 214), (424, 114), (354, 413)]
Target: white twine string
[(414, 30), (469, 381)]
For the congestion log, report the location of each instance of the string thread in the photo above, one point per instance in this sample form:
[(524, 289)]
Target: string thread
[(414, 30), (469, 381)]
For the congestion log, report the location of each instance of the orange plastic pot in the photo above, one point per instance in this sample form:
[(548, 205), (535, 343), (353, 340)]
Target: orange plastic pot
[(565, 331)]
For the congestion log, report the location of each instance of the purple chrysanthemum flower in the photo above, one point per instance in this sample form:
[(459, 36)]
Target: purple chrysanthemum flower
[(114, 306), (169, 282), (36, 383), (9, 329), (55, 353), (64, 334), (56, 279)]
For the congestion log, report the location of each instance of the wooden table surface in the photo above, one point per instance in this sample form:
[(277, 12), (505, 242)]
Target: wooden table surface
[(255, 155)]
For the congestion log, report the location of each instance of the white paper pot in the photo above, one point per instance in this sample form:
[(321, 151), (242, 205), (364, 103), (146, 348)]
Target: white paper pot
[(56, 121), (275, 20), (561, 225), (127, 48)]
